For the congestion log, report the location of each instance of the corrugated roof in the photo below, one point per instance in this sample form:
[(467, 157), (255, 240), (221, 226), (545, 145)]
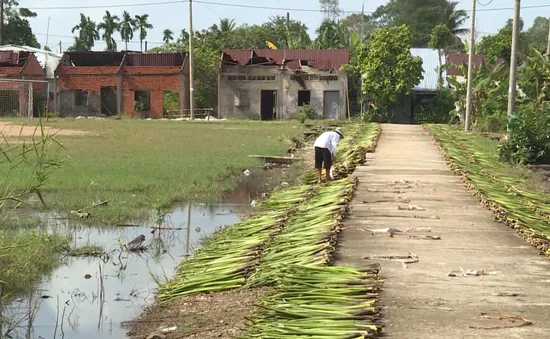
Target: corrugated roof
[(430, 64), (95, 58), (317, 58), (462, 59), (155, 59), (13, 58), (47, 59)]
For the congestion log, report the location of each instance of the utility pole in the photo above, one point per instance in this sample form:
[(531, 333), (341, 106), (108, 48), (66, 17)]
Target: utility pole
[(60, 47), (514, 60), (548, 41), (1, 22), (191, 75), (471, 52)]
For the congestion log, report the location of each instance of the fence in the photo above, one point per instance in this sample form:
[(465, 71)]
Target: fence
[(18, 98)]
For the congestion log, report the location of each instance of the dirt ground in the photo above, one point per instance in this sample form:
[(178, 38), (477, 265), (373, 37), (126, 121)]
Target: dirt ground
[(11, 130), (215, 315)]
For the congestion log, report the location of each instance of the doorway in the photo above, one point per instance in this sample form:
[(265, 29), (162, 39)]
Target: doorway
[(268, 105), (109, 101), (331, 105)]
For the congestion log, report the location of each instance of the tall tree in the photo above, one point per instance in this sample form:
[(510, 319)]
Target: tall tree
[(331, 9), (87, 33), (127, 28), (227, 25), (183, 39), (17, 28), (359, 23), (330, 35), (440, 39), (421, 16), (109, 25), (142, 25), (389, 68), (167, 36), (537, 35), (499, 45), (288, 33)]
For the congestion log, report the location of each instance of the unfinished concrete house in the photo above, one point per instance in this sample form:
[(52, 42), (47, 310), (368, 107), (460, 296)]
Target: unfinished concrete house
[(144, 85), (21, 77), (273, 84)]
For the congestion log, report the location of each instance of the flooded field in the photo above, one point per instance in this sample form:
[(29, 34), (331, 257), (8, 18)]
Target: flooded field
[(91, 297)]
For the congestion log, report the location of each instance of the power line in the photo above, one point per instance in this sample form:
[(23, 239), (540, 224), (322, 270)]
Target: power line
[(154, 3), (272, 8), (487, 4)]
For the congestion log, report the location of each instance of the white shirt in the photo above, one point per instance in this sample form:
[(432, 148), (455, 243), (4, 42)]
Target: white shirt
[(328, 140)]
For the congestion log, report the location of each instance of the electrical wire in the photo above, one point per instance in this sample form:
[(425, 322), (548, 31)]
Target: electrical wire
[(272, 8), (487, 4)]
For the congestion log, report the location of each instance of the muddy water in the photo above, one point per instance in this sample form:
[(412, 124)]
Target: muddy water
[(88, 298)]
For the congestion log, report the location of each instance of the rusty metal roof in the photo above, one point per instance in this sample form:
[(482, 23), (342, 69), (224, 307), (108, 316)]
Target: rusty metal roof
[(13, 58), (454, 60), (155, 59), (316, 58)]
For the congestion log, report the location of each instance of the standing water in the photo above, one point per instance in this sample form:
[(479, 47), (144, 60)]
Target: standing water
[(91, 297)]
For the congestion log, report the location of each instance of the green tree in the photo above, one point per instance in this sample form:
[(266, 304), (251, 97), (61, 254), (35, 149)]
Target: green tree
[(422, 16), (87, 33), (389, 69), (499, 45), (109, 25), (354, 70), (355, 23), (183, 39), (440, 39), (288, 33), (17, 28), (537, 35), (127, 28), (227, 25), (331, 35), (167, 36), (142, 25)]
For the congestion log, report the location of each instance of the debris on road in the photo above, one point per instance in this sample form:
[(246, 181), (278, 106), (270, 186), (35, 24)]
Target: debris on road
[(473, 273), (410, 208), (513, 319), (410, 258)]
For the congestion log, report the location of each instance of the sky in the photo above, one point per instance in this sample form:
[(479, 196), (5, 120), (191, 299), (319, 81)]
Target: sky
[(174, 15)]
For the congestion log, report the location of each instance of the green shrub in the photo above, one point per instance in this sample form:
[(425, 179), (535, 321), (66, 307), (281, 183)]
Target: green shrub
[(301, 117), (529, 136), (437, 112)]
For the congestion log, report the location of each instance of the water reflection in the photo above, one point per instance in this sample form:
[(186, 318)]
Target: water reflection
[(88, 298)]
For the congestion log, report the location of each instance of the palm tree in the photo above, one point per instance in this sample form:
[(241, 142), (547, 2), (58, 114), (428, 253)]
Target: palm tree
[(168, 36), (87, 34), (454, 18), (330, 35), (127, 28), (109, 26), (227, 25), (142, 25)]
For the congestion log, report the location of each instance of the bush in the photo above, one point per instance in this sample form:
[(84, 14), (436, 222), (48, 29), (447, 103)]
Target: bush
[(306, 112), (529, 136), (439, 111)]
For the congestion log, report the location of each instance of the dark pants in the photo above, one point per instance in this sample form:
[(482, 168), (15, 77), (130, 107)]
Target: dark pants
[(322, 156)]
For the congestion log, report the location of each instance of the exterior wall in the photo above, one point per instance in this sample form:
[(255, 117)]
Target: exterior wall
[(287, 91), (156, 80)]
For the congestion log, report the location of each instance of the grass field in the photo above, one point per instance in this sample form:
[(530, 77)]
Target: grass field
[(137, 164)]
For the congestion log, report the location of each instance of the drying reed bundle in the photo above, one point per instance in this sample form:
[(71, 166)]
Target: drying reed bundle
[(526, 210), (310, 235), (228, 257), (320, 303)]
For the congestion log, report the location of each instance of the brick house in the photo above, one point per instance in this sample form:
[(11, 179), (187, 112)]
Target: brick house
[(15, 92), (113, 83)]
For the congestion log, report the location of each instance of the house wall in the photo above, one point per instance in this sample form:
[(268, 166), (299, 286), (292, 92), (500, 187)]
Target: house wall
[(287, 91), (156, 80)]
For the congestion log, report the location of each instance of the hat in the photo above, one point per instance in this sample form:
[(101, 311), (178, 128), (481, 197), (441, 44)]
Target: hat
[(339, 131)]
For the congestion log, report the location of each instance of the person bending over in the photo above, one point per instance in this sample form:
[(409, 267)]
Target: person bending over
[(325, 151)]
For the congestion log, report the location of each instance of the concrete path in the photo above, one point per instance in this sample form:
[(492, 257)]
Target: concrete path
[(421, 301)]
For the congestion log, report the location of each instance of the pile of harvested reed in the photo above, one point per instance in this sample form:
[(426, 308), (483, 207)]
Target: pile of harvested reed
[(526, 210), (320, 302), (227, 259), (309, 236)]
